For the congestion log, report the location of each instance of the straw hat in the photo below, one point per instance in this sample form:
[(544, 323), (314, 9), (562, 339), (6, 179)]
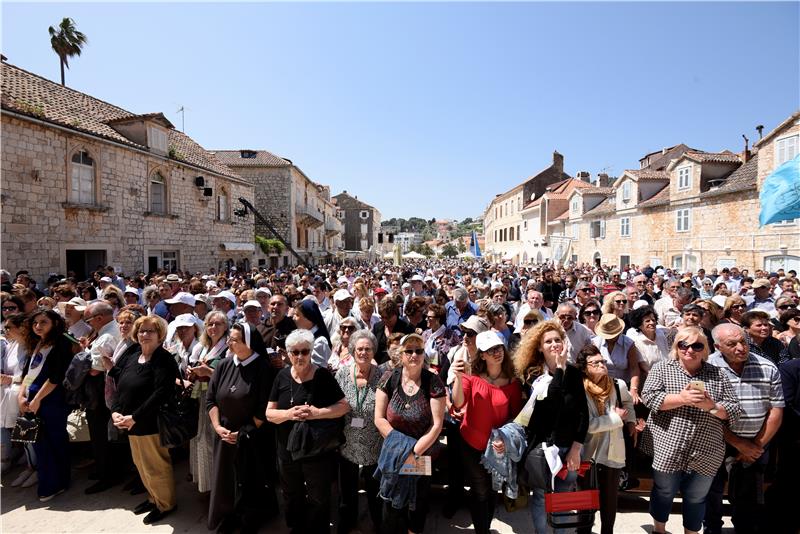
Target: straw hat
[(609, 327)]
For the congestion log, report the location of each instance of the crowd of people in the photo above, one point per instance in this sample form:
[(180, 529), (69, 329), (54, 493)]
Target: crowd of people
[(383, 377)]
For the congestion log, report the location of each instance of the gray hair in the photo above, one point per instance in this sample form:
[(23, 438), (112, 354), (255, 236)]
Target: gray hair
[(460, 294), (299, 337), (495, 308), (358, 335), (725, 328), (151, 291), (684, 293), (99, 308), (568, 306)]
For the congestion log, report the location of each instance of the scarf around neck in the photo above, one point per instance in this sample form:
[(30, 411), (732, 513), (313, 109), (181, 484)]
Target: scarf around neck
[(599, 392)]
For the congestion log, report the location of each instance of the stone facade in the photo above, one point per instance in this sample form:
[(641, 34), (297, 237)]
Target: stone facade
[(362, 224), (44, 232)]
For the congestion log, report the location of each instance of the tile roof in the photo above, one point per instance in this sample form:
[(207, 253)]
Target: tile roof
[(742, 179), (346, 201), (659, 199), (644, 175), (726, 156), (233, 158), (28, 94), (606, 207), (661, 161)]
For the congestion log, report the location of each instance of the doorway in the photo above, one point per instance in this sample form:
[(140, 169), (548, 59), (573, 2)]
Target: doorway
[(83, 262)]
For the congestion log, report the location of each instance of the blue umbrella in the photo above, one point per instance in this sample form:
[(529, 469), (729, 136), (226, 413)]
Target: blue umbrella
[(780, 194)]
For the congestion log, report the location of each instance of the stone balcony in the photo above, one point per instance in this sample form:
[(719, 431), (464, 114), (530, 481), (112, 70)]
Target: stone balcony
[(308, 215), (333, 226)]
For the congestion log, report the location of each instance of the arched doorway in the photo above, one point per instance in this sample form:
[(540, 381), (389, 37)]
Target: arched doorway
[(597, 259), (539, 257)]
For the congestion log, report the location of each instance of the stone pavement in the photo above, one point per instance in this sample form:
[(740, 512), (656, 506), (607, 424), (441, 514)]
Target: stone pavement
[(110, 511)]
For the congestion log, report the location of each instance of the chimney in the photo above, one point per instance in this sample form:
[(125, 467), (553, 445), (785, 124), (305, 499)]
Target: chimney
[(558, 161), (746, 153), (602, 179), (584, 176), (663, 151), (760, 129)]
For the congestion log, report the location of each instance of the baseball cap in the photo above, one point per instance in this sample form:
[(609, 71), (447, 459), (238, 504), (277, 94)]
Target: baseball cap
[(264, 290), (185, 319), (417, 278), (225, 295), (378, 291), (487, 340), (106, 279), (761, 282), (78, 303), (132, 290), (182, 298), (341, 294), (250, 303), (475, 323)]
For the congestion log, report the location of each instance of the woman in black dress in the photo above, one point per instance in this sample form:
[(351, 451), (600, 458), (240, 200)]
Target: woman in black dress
[(145, 379), (305, 392), (236, 402)]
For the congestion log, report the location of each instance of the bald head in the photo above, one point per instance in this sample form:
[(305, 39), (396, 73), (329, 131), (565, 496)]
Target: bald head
[(730, 341), (98, 314)]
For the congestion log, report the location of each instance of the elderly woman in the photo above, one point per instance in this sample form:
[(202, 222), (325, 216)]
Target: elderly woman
[(734, 308), (184, 340), (490, 396), (15, 350), (42, 394), (308, 317), (689, 400), (706, 289), (498, 318), (616, 302), (791, 334), (610, 409), (619, 351), (144, 381), (304, 392), (211, 349), (341, 355), (559, 414), (362, 439), (589, 314), (409, 412), (649, 337), (236, 402), (438, 338)]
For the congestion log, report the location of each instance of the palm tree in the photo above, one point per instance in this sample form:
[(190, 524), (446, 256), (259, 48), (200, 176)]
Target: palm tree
[(66, 42)]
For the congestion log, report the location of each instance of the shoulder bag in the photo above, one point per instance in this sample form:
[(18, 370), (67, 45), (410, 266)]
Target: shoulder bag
[(178, 418), (26, 430)]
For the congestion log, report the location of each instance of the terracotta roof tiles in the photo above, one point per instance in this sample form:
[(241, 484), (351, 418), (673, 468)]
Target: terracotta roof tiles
[(742, 179), (262, 158)]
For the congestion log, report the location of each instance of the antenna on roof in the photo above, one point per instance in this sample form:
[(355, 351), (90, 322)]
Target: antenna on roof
[(182, 111)]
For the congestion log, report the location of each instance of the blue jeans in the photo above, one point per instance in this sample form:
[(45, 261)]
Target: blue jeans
[(537, 502), (694, 489)]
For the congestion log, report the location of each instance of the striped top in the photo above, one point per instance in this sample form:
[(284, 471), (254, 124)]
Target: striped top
[(758, 388)]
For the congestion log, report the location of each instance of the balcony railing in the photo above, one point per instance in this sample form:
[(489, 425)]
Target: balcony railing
[(308, 215)]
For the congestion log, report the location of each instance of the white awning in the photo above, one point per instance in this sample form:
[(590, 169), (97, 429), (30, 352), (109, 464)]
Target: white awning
[(510, 254), (244, 247)]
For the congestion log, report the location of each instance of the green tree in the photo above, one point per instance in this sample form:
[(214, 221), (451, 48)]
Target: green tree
[(66, 42), (449, 251), (426, 250), (461, 246)]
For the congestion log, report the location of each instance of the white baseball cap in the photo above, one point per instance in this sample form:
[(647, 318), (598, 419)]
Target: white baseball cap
[(251, 303), (487, 340), (182, 298), (341, 294)]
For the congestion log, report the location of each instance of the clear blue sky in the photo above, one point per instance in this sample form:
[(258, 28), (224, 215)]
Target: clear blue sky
[(431, 109)]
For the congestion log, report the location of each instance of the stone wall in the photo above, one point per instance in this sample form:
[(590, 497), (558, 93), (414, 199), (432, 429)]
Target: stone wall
[(39, 225)]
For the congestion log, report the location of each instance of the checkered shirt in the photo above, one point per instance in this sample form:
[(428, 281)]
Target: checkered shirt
[(686, 438), (758, 388), (771, 349)]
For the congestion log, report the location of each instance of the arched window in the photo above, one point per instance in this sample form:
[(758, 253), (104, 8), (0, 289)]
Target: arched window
[(158, 193), (222, 204), (82, 190)]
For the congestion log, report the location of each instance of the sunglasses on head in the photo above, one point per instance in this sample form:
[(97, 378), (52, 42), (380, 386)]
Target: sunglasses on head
[(409, 352), (697, 346)]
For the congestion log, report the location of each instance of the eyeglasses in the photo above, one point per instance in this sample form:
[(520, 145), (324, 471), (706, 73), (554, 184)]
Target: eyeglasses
[(146, 332), (10, 308), (697, 346), (566, 316), (496, 348), (300, 352), (409, 352), (598, 363), (347, 328), (592, 312)]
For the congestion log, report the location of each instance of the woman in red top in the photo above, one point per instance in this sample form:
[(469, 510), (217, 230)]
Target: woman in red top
[(490, 397)]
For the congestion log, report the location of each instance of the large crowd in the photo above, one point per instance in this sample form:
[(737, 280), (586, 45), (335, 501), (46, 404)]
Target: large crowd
[(519, 383)]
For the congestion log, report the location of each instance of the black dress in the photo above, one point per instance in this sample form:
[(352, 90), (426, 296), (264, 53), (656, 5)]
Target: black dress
[(240, 391)]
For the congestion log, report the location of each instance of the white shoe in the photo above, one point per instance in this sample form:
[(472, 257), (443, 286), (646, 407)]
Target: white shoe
[(22, 478), (50, 497), (31, 481)]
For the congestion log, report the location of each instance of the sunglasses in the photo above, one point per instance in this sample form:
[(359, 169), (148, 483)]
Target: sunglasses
[(9, 308), (348, 329), (586, 290), (566, 316), (737, 306), (592, 312), (470, 333), (784, 307), (697, 346), (620, 302), (530, 322), (598, 363), (300, 352), (409, 352)]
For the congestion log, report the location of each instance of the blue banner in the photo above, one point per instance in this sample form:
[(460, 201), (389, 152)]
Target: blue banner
[(780, 194)]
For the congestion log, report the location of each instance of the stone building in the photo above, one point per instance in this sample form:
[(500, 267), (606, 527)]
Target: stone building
[(689, 209), (298, 209), (503, 218), (86, 183), (362, 224)]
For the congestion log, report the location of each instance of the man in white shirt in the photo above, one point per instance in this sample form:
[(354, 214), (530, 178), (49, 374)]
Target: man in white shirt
[(535, 301), (578, 336)]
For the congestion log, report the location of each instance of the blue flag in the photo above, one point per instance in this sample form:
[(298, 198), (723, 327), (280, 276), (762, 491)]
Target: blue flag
[(474, 248), (780, 194)]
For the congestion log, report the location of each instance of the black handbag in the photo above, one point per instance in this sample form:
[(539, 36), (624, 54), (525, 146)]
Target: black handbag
[(26, 430), (178, 419), (308, 439), (538, 470)]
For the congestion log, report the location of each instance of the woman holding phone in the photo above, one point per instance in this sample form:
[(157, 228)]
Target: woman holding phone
[(689, 400)]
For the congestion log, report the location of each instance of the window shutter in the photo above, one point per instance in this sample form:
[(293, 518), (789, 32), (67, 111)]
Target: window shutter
[(602, 229)]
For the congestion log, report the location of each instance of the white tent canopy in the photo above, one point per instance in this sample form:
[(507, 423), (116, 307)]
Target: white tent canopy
[(388, 256), (466, 255), (413, 256)]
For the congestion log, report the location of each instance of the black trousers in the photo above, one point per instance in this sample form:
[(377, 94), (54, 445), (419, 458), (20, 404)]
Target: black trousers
[(455, 469), (348, 495), (306, 486), (745, 493), (482, 497), (404, 520), (608, 484), (98, 417)]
